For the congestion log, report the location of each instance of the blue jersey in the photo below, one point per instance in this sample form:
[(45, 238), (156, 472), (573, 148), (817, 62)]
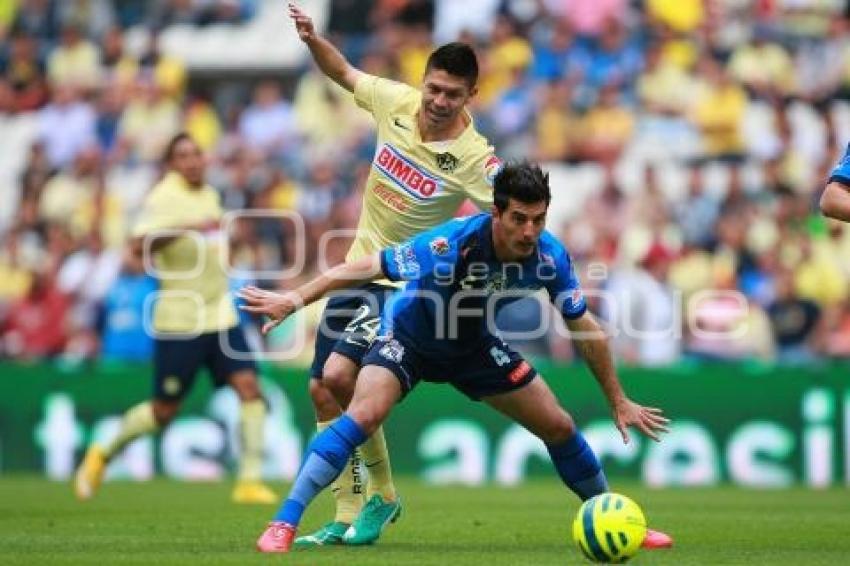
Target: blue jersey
[(456, 285), (841, 172)]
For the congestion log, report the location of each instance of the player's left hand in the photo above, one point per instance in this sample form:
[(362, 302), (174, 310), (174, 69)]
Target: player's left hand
[(649, 420), (276, 306)]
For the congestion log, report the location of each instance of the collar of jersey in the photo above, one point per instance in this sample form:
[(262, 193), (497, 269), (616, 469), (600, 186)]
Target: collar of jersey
[(470, 127)]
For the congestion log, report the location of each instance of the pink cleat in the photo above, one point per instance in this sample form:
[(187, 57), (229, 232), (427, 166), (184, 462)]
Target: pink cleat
[(657, 539), (276, 538)]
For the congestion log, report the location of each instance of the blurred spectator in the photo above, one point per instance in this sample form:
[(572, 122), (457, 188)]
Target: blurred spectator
[(124, 315), (560, 55), (615, 62), (645, 310), (555, 124), (25, 72), (147, 123), (589, 17), (509, 55), (75, 61), (796, 323), (119, 68), (167, 71), (605, 129), (268, 124), (451, 18), (718, 113), (93, 16), (697, 213), (35, 325), (763, 66), (37, 18), (66, 125)]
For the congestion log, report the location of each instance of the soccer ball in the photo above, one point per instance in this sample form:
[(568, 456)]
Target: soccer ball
[(609, 528)]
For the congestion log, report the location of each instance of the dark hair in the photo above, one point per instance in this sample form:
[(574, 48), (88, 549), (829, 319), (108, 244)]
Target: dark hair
[(522, 181), (456, 59), (172, 145)]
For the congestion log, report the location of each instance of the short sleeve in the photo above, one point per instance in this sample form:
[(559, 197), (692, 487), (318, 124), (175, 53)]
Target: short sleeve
[(158, 213), (564, 287), (841, 172), (377, 95), (432, 252), (479, 187)]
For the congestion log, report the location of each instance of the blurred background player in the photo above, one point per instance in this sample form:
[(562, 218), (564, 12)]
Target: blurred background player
[(478, 259), (429, 159), (194, 319), (835, 200)]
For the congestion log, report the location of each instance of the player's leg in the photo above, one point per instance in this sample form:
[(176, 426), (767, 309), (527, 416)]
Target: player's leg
[(231, 361), (377, 390), (535, 407), (347, 489), (175, 365)]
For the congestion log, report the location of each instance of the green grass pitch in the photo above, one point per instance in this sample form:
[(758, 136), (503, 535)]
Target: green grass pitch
[(165, 522)]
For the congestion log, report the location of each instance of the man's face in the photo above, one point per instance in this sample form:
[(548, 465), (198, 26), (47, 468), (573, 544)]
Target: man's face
[(188, 160), (519, 226), (443, 97)]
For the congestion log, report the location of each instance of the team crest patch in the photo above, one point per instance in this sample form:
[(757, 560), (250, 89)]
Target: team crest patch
[(392, 351), (491, 168), (446, 162), (440, 246)]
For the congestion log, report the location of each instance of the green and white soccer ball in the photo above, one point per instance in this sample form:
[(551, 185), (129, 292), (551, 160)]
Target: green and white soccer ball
[(609, 528)]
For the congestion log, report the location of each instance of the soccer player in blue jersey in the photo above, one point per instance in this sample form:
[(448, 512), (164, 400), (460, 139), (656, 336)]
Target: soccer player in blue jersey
[(835, 200), (438, 326)]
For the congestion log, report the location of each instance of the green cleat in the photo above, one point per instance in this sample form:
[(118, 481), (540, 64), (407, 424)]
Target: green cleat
[(372, 520), (328, 535)]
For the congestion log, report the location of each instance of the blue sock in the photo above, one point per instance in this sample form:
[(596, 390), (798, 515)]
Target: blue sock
[(326, 457), (578, 467)]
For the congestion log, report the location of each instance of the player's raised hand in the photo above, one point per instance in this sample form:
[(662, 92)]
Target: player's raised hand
[(303, 23), (276, 306), (649, 420)]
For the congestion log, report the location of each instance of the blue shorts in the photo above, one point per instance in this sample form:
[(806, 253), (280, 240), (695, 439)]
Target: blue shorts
[(349, 324), (489, 369), (176, 361)]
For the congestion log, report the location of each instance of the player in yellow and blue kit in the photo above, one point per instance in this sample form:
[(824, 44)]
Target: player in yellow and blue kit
[(194, 318), (440, 328), (429, 159)]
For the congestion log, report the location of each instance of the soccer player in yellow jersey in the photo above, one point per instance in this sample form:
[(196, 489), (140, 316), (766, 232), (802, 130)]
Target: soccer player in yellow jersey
[(428, 160), (194, 319)]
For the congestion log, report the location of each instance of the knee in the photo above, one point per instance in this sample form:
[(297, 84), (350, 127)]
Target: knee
[(247, 389), (323, 401), (368, 419), (340, 380), (558, 430), (165, 411)]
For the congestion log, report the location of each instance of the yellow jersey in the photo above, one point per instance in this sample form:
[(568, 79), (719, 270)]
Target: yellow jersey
[(414, 185), (194, 295)]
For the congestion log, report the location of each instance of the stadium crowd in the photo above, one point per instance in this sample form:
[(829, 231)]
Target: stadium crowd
[(703, 130)]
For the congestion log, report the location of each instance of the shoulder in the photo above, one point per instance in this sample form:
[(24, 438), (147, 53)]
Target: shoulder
[(550, 250)]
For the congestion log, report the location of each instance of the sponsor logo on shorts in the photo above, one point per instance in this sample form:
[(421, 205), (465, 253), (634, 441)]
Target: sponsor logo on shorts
[(520, 372), (393, 351), (576, 296), (440, 246), (411, 178)]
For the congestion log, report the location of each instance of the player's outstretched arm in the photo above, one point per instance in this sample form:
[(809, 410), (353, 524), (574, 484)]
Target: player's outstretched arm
[(278, 306), (327, 57), (592, 344), (835, 201)]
